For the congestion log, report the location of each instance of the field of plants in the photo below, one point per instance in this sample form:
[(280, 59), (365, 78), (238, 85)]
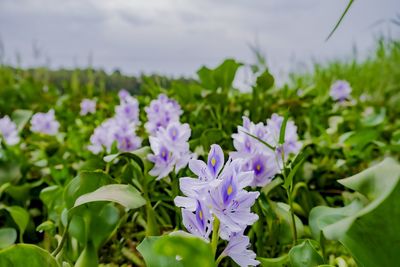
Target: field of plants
[(194, 172)]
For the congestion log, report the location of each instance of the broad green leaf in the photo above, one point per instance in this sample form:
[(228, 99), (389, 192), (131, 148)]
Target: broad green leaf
[(125, 195), (153, 259), (371, 233), (23, 255), (305, 255), (8, 236), (176, 249), (220, 77), (85, 182), (139, 156), (21, 117), (265, 80), (274, 262), (20, 217), (191, 251)]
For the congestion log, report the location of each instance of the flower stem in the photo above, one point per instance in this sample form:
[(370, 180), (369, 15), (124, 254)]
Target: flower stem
[(293, 224), (219, 259), (63, 239), (214, 238)]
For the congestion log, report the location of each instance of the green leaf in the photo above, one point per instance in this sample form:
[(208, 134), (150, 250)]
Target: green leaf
[(164, 251), (265, 80), (125, 195), (139, 156), (21, 117), (340, 19), (305, 255), (272, 185), (88, 257), (8, 236), (274, 262), (20, 217), (260, 140), (299, 162), (371, 233), (22, 255), (283, 129), (153, 259), (85, 182), (220, 77)]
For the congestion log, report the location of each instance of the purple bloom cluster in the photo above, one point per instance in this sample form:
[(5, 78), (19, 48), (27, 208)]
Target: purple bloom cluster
[(218, 193), (340, 91), (257, 157), (87, 106), (45, 123), (120, 129), (170, 149), (161, 112), (8, 131)]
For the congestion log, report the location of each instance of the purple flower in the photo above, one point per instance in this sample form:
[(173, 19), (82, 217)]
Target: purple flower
[(291, 144), (161, 112), (340, 91), (88, 106), (122, 94), (45, 123), (265, 167), (199, 222), (114, 130), (8, 130), (238, 250), (128, 109), (170, 149), (229, 201)]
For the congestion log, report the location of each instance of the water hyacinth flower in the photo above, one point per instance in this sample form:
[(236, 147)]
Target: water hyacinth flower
[(291, 143), (218, 194), (87, 106), (256, 156), (114, 130), (238, 250), (170, 149), (120, 129), (340, 91), (199, 222), (8, 131), (161, 112), (45, 123), (128, 109)]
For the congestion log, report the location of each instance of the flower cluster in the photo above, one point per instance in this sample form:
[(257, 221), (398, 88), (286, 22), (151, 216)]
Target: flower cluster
[(87, 106), (120, 129), (218, 194), (45, 123), (168, 137), (8, 131), (161, 112), (259, 158), (340, 91)]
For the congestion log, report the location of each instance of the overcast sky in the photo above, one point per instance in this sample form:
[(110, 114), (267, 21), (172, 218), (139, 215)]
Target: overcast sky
[(176, 37)]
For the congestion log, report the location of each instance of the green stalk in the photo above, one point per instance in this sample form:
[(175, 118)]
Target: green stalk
[(63, 239), (214, 238), (217, 262)]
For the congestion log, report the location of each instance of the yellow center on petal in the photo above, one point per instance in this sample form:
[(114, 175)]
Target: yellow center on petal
[(230, 189), (213, 162), (201, 215), (163, 154), (258, 167), (174, 133)]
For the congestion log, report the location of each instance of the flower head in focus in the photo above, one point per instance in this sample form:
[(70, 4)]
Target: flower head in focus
[(218, 193), (8, 131), (340, 91), (87, 106), (45, 123)]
